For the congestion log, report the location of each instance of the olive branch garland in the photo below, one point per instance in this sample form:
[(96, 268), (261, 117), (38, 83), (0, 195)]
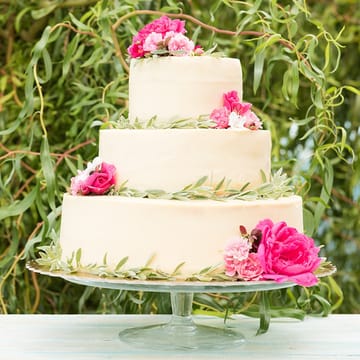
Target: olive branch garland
[(201, 122), (50, 258), (279, 185)]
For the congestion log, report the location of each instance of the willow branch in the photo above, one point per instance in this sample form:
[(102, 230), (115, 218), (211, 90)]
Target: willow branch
[(73, 29)]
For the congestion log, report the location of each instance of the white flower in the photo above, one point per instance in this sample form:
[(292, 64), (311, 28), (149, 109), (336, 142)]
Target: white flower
[(236, 121), (93, 165)]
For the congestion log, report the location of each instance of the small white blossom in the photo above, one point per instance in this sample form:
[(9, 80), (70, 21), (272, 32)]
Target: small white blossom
[(236, 121)]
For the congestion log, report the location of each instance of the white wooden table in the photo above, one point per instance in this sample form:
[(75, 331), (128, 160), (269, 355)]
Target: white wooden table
[(81, 337)]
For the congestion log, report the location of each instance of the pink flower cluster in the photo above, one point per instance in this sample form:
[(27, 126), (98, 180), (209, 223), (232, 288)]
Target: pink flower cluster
[(273, 252), (235, 114), (97, 178), (163, 36)]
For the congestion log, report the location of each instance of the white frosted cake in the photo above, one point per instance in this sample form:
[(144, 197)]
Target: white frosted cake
[(162, 196)]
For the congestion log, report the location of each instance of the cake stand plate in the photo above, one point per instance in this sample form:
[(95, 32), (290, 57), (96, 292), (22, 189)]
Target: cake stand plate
[(180, 333)]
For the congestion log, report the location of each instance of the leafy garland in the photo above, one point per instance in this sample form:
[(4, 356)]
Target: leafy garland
[(279, 185), (51, 259), (201, 122)]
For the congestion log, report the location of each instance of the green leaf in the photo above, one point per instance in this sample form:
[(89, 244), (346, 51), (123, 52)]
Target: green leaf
[(325, 192), (309, 222), (265, 314), (272, 39), (69, 55), (19, 207), (121, 263), (258, 69), (79, 24), (38, 14)]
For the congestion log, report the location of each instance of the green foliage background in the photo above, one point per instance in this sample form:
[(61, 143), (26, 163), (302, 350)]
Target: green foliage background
[(62, 76)]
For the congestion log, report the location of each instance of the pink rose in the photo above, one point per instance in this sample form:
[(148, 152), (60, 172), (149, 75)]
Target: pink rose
[(287, 255), (94, 180), (230, 99), (179, 44), (221, 117)]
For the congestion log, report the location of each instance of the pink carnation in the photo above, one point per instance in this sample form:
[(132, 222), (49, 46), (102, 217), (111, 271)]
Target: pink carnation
[(179, 44), (152, 41), (235, 253), (287, 255), (221, 117), (250, 269)]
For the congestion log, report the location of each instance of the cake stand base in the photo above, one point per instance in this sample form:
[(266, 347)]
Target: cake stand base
[(181, 333)]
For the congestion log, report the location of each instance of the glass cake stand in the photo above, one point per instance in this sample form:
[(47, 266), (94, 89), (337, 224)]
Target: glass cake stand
[(181, 332)]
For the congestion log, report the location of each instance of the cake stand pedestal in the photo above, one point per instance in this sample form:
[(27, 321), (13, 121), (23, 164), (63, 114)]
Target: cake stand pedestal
[(181, 332)]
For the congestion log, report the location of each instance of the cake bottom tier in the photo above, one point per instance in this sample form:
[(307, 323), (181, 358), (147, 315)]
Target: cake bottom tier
[(172, 232)]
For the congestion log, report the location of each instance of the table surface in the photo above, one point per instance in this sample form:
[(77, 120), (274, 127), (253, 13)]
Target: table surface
[(91, 337)]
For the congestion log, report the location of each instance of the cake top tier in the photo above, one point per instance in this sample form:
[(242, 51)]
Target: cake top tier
[(171, 78), (174, 88)]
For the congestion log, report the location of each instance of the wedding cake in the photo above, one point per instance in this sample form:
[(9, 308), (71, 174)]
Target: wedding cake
[(183, 187)]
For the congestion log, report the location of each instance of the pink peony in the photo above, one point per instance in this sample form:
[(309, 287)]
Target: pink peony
[(162, 25), (95, 179), (221, 117), (241, 108), (287, 255), (179, 44), (236, 252)]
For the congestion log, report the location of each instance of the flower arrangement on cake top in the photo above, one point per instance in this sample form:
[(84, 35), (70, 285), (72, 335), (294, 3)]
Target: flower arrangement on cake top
[(97, 179), (163, 37), (235, 114), (272, 252)]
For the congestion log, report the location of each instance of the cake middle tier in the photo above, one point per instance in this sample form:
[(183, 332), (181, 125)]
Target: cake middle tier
[(171, 159)]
